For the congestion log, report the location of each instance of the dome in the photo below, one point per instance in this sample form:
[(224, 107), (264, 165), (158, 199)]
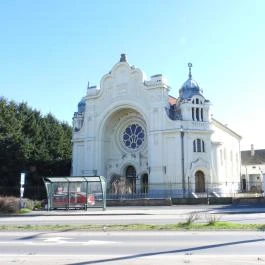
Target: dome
[(190, 87), (81, 105)]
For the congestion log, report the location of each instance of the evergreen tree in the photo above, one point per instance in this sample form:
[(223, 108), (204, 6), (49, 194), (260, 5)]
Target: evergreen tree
[(29, 142)]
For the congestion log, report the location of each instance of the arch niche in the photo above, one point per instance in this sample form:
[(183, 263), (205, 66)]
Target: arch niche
[(144, 183), (131, 177), (199, 182), (124, 144)]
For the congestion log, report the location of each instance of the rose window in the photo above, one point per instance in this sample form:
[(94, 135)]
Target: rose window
[(133, 136)]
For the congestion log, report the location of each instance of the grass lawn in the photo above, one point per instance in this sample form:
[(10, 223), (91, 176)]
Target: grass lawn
[(214, 226)]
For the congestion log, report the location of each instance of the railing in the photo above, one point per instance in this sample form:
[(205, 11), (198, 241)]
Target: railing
[(158, 190), (192, 190)]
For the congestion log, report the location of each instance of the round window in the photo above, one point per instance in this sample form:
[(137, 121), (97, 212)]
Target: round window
[(133, 136)]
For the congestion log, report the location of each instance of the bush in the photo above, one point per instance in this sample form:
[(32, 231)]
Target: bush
[(212, 218), (12, 204), (29, 204), (9, 204), (192, 217), (37, 205)]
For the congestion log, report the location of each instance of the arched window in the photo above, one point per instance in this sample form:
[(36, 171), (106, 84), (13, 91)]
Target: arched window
[(197, 110), (197, 114), (198, 146)]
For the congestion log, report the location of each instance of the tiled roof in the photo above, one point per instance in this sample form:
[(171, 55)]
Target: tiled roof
[(172, 100), (257, 159)]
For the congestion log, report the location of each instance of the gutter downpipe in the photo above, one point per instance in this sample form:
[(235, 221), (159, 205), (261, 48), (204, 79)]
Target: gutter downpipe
[(182, 162)]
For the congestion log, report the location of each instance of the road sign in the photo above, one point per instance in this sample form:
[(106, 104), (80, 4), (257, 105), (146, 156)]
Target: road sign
[(22, 178)]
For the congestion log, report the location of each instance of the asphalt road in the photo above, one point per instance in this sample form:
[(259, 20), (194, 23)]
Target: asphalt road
[(76, 248), (141, 215)]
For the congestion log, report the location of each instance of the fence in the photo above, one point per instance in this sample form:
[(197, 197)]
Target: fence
[(190, 190), (158, 190)]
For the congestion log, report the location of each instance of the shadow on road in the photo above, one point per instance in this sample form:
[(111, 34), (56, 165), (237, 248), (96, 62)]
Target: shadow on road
[(188, 250), (45, 233), (241, 208)]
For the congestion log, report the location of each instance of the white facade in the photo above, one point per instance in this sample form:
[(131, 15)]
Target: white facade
[(131, 128), (253, 170)]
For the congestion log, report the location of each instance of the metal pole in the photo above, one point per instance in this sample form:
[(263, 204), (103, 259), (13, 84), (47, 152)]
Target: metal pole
[(22, 182), (182, 162)]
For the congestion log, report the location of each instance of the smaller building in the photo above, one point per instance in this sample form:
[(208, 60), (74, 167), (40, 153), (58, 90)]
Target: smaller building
[(253, 170)]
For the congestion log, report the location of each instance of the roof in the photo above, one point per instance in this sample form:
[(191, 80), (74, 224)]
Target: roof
[(172, 100), (257, 159), (189, 89), (74, 179), (224, 127)]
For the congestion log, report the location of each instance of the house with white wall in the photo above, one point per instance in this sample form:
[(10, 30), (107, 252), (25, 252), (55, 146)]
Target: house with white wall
[(253, 170)]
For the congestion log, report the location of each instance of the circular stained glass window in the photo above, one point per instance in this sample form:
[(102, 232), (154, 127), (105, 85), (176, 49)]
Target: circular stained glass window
[(133, 136)]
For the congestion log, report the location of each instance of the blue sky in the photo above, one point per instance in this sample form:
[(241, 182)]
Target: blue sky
[(50, 49)]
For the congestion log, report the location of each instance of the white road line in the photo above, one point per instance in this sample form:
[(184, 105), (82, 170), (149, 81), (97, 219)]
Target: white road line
[(54, 241)]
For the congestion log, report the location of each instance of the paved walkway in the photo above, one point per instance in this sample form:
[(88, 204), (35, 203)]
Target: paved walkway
[(157, 210)]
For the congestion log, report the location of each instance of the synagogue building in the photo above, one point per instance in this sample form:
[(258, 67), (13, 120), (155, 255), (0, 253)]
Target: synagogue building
[(144, 140)]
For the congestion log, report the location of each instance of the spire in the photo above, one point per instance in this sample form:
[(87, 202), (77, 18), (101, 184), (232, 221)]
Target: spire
[(190, 65)]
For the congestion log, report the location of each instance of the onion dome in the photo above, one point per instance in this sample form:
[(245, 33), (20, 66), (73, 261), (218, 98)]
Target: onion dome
[(190, 87), (81, 105)]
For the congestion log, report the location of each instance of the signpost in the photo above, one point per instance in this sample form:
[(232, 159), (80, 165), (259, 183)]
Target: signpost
[(22, 182)]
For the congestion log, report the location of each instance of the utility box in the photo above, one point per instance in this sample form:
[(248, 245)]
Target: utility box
[(75, 192)]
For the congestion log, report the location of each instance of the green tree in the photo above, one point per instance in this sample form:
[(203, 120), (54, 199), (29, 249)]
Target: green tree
[(29, 142)]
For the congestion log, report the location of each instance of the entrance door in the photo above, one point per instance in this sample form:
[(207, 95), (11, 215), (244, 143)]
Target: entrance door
[(199, 182), (244, 185), (131, 177), (144, 183)]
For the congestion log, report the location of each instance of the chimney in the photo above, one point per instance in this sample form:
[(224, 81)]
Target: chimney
[(252, 150)]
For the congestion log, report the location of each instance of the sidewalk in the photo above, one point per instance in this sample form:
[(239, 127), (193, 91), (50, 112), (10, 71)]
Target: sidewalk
[(150, 210), (155, 210)]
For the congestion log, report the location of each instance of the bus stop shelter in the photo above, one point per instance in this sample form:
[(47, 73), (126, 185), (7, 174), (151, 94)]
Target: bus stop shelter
[(75, 192)]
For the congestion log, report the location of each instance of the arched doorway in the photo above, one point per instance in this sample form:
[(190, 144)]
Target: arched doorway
[(131, 177), (144, 183), (123, 136), (199, 182)]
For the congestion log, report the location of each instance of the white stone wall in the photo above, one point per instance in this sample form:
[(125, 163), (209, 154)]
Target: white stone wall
[(125, 96), (227, 159)]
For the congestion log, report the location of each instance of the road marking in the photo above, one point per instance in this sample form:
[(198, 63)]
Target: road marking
[(63, 240), (57, 240), (99, 242)]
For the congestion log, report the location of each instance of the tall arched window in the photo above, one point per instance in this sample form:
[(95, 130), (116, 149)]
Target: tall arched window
[(198, 146), (197, 110)]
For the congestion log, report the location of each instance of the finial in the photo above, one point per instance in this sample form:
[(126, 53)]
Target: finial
[(190, 65), (123, 58), (88, 85)]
